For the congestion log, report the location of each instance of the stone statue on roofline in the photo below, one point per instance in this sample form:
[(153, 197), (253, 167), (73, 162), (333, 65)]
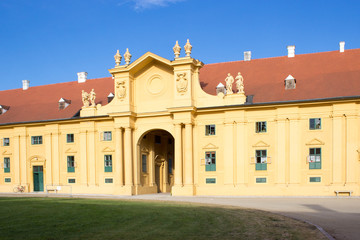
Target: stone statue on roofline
[(92, 97), (240, 83), (229, 82), (85, 98)]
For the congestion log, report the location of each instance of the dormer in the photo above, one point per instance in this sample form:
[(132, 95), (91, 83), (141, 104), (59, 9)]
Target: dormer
[(63, 103), (3, 109), (110, 97), (290, 82), (220, 88)]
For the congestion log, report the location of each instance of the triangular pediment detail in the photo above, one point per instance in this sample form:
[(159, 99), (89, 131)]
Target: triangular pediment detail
[(146, 59), (6, 153), (145, 149), (210, 146), (108, 149), (69, 150), (315, 141), (261, 144)]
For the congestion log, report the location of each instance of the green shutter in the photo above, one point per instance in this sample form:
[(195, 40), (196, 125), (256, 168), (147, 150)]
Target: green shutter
[(260, 166)]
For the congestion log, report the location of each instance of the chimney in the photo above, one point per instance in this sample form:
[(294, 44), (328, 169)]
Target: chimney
[(26, 84), (247, 56), (291, 51), (82, 77), (220, 88), (342, 46)]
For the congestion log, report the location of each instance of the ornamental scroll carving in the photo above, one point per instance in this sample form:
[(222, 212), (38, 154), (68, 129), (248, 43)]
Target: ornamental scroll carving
[(121, 89), (181, 83)]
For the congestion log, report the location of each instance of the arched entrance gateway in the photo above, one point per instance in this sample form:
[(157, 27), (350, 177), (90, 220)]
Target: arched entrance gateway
[(156, 153)]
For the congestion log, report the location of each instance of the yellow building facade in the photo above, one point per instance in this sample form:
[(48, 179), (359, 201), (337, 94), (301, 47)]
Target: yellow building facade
[(162, 132)]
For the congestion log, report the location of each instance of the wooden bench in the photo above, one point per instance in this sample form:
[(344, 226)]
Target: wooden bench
[(343, 191)]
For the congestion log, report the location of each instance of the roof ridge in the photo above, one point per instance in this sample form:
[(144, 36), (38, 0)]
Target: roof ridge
[(285, 56), (15, 89)]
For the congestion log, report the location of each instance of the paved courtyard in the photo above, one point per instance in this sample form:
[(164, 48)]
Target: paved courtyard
[(340, 217)]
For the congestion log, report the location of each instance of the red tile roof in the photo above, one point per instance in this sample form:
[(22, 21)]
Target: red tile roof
[(42, 102), (318, 75)]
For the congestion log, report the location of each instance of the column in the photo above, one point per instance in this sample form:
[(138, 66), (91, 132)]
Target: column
[(56, 158), (294, 159), (23, 157), (337, 149), (83, 157), (178, 156), (281, 152), (188, 158), (119, 169), (48, 157), (151, 157), (17, 167), (228, 154), (128, 157), (241, 158), (91, 158)]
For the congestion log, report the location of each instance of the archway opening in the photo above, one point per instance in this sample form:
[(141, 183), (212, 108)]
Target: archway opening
[(156, 161)]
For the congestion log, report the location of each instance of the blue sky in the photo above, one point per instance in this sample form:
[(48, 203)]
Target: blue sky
[(49, 41)]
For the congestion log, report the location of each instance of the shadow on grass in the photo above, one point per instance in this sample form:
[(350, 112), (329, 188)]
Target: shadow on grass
[(50, 218)]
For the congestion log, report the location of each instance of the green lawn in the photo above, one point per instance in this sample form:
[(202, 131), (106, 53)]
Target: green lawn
[(70, 218)]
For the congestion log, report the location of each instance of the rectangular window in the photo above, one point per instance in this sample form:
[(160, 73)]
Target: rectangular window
[(315, 179), (6, 142), (260, 180), (260, 127), (157, 139), (6, 165), (107, 136), (209, 130), (210, 158), (70, 163), (35, 140), (70, 138), (71, 180), (7, 179), (315, 123), (210, 180), (108, 163), (261, 160), (143, 163), (170, 166), (108, 180), (315, 158)]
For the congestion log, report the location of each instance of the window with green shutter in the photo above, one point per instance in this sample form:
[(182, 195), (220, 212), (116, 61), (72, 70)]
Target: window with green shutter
[(315, 158), (108, 163), (260, 180), (70, 163), (70, 138), (210, 180), (7, 180), (6, 165), (71, 180), (108, 180), (210, 158), (36, 140), (144, 163), (315, 179), (260, 127), (261, 160)]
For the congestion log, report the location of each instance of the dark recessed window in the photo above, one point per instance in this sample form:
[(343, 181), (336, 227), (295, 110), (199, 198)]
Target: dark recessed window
[(209, 130), (6, 142), (260, 127), (71, 180), (70, 138), (314, 123), (108, 180), (36, 140)]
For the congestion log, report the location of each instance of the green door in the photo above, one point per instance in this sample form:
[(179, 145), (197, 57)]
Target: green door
[(38, 179)]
